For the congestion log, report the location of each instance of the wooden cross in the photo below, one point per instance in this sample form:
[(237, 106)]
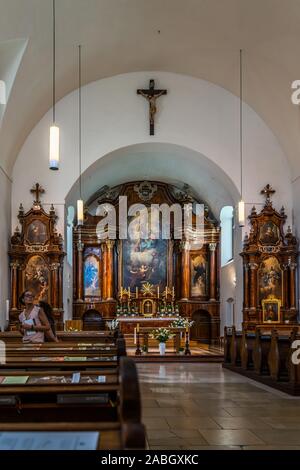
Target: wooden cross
[(151, 95), (37, 190), (268, 191)]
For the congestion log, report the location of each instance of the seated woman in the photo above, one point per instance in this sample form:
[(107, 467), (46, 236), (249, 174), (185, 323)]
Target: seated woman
[(50, 335), (34, 322)]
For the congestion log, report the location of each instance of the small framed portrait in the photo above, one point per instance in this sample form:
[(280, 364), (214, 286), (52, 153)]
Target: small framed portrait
[(271, 310), (269, 233), (37, 232)]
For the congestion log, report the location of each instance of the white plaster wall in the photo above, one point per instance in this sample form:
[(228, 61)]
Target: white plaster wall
[(5, 211), (195, 114), (227, 283)]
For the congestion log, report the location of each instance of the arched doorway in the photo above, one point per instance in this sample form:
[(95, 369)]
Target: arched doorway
[(201, 329), (92, 320)]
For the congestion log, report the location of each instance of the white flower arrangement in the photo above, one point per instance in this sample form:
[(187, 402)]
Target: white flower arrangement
[(161, 335), (113, 324), (182, 322)]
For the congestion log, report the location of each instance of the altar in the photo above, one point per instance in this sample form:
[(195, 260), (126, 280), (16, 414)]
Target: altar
[(128, 324)]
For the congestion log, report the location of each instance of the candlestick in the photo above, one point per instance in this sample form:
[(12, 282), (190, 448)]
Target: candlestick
[(138, 328), (137, 292), (186, 329), (158, 292)]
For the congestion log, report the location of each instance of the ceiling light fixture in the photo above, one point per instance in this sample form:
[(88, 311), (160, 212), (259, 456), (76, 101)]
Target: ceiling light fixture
[(80, 211), (54, 129), (241, 207)]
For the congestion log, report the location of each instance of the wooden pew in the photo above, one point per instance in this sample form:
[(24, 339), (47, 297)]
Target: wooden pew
[(235, 350), (227, 344), (60, 349), (68, 336), (247, 346), (293, 368), (77, 406), (279, 355), (261, 351), (59, 362)]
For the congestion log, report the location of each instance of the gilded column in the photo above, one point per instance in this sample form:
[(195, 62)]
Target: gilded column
[(285, 283), (104, 270), (109, 269), (246, 285), (14, 285), (253, 285), (55, 284), (292, 267), (185, 270), (213, 271), (60, 286), (80, 247)]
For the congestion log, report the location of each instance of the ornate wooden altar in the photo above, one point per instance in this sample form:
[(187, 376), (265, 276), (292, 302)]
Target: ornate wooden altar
[(36, 259), (269, 263), (102, 267)]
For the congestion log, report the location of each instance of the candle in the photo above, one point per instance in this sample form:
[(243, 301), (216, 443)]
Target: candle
[(158, 292), (137, 292), (7, 310), (173, 291), (138, 328)]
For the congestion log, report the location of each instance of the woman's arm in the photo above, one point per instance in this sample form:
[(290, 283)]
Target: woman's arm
[(45, 326)]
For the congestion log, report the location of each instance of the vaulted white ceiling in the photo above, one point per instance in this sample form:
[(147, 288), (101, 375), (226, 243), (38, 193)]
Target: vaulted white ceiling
[(201, 38)]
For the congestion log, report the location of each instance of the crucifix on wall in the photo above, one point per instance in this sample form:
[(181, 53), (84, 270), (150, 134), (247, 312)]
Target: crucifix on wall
[(151, 95), (37, 190)]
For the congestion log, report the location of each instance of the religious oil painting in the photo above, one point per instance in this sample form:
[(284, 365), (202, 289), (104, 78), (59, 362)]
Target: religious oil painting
[(37, 278), (145, 260), (269, 233), (199, 273), (271, 311), (37, 232), (270, 279), (91, 276)]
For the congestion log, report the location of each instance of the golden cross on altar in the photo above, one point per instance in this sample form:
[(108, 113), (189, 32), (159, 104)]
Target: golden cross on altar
[(37, 190), (268, 191)]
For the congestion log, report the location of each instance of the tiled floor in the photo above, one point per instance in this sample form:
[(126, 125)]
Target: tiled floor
[(196, 348), (202, 406)]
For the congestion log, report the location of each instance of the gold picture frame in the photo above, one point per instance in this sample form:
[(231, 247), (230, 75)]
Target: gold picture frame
[(271, 310)]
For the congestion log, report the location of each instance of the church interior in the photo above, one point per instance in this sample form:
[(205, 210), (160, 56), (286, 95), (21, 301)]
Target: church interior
[(149, 185)]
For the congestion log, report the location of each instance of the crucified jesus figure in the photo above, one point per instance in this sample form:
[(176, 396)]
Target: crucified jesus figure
[(152, 104), (151, 96)]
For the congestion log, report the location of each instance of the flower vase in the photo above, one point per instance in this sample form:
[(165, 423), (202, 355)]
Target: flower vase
[(162, 348)]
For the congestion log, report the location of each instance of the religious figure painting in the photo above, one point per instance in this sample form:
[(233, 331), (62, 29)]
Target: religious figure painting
[(37, 232), (270, 279), (198, 274), (91, 277), (37, 278), (271, 311), (145, 260), (269, 233)]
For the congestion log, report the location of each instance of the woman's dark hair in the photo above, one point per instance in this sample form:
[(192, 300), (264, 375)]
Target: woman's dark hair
[(48, 312), (21, 298)]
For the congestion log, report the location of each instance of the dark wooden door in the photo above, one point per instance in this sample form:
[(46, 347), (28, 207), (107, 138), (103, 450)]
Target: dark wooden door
[(201, 330)]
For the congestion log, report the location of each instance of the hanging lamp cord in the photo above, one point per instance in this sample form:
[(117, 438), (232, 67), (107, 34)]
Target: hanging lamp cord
[(241, 120), (79, 116), (54, 64)]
